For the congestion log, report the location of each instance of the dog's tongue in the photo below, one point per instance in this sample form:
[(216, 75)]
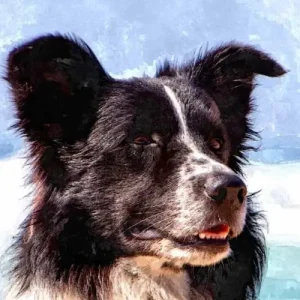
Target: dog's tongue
[(221, 230)]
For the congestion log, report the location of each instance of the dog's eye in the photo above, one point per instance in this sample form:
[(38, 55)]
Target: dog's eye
[(215, 144), (142, 140)]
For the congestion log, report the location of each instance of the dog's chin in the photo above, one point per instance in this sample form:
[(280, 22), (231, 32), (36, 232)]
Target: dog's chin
[(200, 255), (164, 256), (165, 259), (154, 249), (207, 248)]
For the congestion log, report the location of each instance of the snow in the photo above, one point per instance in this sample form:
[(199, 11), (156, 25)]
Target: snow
[(279, 198)]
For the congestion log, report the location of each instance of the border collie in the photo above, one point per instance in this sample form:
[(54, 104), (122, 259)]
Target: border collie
[(138, 183)]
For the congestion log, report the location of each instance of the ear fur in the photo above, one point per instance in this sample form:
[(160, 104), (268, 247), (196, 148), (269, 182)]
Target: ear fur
[(228, 74), (57, 84)]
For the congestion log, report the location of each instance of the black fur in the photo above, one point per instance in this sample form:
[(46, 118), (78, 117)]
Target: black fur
[(93, 182)]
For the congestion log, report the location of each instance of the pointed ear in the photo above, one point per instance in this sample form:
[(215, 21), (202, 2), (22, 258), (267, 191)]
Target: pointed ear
[(56, 83), (233, 66), (227, 73)]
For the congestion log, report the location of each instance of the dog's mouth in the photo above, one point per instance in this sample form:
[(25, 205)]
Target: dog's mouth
[(216, 235)]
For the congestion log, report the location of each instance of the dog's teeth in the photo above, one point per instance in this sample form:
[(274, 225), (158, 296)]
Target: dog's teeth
[(204, 236)]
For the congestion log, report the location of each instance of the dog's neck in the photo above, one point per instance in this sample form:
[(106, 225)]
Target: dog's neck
[(139, 278), (145, 278)]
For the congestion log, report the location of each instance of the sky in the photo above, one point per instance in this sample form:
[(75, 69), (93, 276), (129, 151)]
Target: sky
[(130, 39)]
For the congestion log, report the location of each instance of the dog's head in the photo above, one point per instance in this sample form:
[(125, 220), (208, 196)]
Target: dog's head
[(141, 167)]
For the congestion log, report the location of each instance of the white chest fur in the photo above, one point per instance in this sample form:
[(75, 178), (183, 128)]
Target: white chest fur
[(144, 279), (141, 278)]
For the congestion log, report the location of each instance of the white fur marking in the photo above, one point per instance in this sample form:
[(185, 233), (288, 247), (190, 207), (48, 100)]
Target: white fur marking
[(185, 135), (179, 111), (131, 281), (184, 191)]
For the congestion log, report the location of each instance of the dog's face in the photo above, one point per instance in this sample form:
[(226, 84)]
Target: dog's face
[(148, 166), (164, 152)]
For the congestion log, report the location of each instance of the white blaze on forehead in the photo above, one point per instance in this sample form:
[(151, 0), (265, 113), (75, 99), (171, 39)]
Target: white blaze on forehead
[(187, 137), (178, 110)]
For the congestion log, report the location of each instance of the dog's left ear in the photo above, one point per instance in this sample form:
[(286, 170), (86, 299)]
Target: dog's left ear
[(227, 74)]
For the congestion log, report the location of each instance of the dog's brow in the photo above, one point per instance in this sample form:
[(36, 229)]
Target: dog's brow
[(178, 111), (185, 135)]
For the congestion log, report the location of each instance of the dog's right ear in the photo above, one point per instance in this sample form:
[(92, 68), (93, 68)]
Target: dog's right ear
[(57, 83)]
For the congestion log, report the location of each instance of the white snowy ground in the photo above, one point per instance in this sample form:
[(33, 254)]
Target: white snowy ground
[(280, 185)]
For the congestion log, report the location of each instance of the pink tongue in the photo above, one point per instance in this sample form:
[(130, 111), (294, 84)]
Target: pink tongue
[(217, 230)]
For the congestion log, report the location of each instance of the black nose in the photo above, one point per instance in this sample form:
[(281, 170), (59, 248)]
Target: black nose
[(226, 186)]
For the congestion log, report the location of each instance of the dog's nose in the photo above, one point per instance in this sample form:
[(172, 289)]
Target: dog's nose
[(226, 186)]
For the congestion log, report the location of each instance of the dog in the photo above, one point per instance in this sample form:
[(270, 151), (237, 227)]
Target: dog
[(139, 189)]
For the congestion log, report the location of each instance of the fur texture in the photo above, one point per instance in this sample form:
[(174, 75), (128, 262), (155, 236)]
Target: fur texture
[(122, 170)]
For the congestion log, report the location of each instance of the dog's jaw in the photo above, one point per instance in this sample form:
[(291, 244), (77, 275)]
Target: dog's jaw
[(178, 257)]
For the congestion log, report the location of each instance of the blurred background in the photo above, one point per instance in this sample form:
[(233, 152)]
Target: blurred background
[(130, 37)]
